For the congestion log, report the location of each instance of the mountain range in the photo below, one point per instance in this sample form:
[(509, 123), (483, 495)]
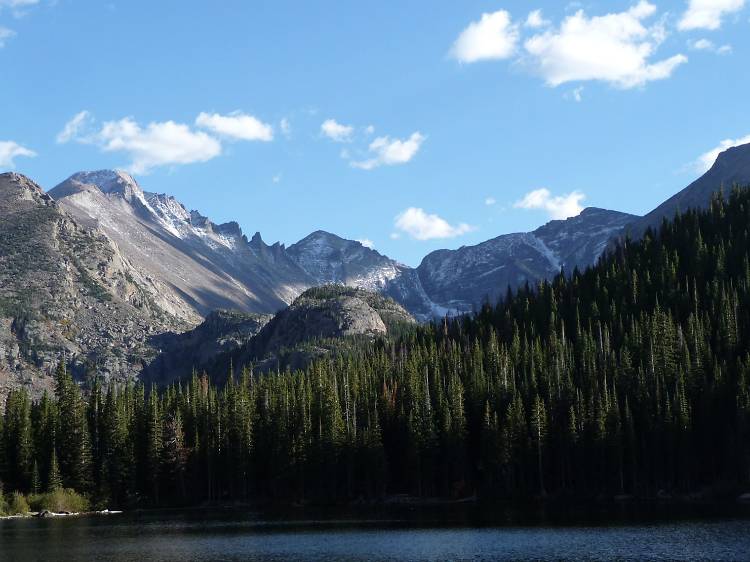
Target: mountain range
[(199, 266), (100, 271)]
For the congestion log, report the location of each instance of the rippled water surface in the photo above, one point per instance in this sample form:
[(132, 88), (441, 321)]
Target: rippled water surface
[(244, 535)]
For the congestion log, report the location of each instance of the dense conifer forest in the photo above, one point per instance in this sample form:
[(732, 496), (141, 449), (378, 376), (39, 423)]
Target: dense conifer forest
[(630, 378)]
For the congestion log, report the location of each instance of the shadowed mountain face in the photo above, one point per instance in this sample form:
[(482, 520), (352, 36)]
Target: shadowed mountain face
[(731, 168), (222, 332)]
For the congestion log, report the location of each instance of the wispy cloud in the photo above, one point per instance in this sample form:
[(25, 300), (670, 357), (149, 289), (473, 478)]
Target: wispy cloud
[(286, 127), (10, 150), (558, 207), (336, 131), (76, 128), (391, 152), (13, 4), (236, 125), (5, 34), (708, 14), (18, 9), (535, 20), (366, 242), (708, 45), (424, 226)]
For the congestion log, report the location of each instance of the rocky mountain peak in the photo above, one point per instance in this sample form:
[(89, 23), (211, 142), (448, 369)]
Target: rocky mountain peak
[(199, 221), (15, 186), (115, 182), (458, 280), (231, 228), (735, 162), (329, 311)]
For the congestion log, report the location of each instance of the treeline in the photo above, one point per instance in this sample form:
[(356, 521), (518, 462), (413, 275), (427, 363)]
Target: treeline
[(628, 378)]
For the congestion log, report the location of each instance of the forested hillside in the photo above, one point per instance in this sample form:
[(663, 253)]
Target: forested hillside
[(628, 378)]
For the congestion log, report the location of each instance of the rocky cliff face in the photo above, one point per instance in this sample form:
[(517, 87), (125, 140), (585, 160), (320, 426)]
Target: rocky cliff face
[(316, 323), (67, 291), (201, 266), (330, 312)]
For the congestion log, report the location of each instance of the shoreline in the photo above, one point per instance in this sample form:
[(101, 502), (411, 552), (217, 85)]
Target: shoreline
[(45, 514), (617, 506)]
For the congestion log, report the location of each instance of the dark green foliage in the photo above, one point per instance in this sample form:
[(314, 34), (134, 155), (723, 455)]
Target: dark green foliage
[(59, 500), (629, 378)]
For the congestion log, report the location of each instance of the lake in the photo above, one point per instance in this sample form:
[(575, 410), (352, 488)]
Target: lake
[(393, 535)]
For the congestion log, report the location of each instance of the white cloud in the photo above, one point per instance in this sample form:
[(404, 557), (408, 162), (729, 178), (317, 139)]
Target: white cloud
[(707, 159), (75, 128), (164, 143), (5, 34), (276, 178), (10, 150), (236, 125), (559, 207), (707, 14), (490, 201), (708, 45), (616, 48), (422, 226), (494, 36), (389, 152), (370, 129), (535, 20), (366, 242), (158, 144), (336, 131)]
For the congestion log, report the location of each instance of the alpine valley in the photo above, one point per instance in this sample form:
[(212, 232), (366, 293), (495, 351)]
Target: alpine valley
[(121, 282)]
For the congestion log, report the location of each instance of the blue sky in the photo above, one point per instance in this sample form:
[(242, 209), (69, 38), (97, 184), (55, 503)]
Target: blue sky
[(415, 125)]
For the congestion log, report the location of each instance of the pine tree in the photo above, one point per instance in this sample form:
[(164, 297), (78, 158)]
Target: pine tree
[(54, 480)]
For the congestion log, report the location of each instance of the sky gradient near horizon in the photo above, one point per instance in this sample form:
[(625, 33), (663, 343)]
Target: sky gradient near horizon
[(411, 125)]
